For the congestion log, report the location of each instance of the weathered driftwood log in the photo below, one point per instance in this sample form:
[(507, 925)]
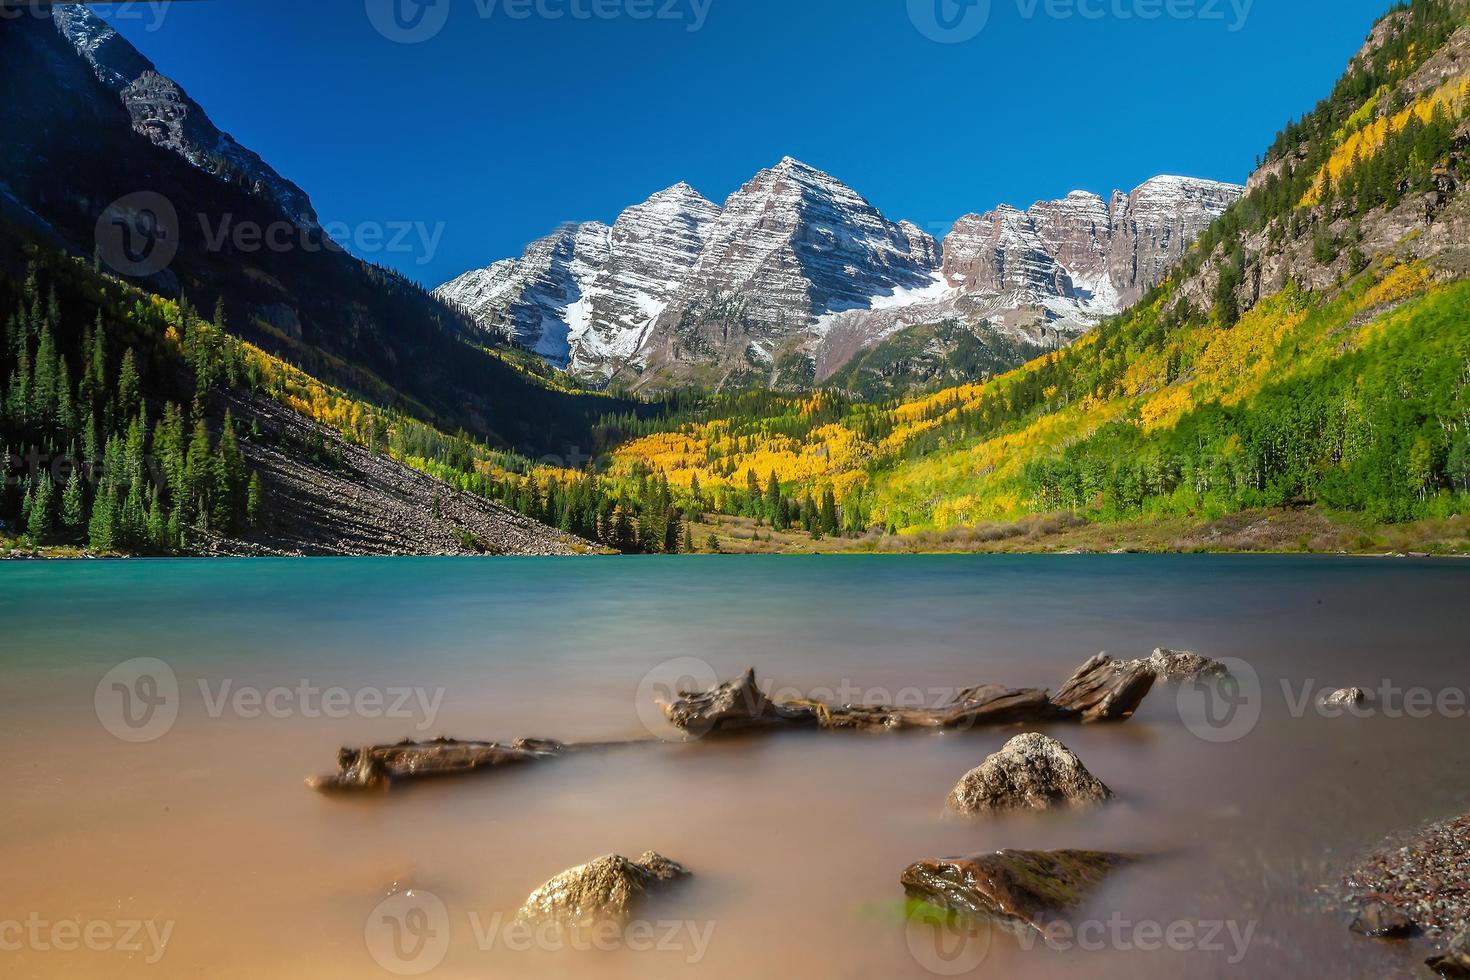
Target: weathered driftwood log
[(1102, 689), (379, 766), (1018, 889)]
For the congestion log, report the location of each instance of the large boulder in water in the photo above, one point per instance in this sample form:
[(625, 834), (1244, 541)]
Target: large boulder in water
[(1029, 889), (1031, 772), (606, 889)]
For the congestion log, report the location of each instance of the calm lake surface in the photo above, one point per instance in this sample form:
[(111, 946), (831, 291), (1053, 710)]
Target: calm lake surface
[(200, 828)]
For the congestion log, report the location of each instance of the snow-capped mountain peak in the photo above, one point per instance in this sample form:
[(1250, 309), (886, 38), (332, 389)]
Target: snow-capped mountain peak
[(798, 263)]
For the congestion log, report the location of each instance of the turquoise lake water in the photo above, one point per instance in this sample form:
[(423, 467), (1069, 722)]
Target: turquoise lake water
[(194, 814)]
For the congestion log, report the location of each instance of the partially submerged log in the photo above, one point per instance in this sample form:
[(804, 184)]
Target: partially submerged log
[(1102, 689), (1018, 889), (378, 767)]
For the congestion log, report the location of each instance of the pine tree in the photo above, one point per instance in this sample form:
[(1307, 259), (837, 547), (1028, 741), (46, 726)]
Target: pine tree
[(829, 522), (198, 473), (157, 525), (43, 402), (775, 514), (102, 528), (688, 547), (73, 505), (40, 517), (233, 471), (253, 501), (128, 398)]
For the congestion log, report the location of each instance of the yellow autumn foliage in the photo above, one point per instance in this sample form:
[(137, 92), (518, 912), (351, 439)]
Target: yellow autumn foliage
[(1366, 141)]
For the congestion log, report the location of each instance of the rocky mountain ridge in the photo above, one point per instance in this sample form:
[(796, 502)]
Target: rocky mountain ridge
[(164, 112), (797, 274)]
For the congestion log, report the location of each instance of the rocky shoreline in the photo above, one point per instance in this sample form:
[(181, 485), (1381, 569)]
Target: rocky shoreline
[(1415, 890)]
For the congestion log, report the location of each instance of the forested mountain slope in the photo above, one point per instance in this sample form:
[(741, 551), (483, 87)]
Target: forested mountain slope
[(1313, 349), (131, 425), (89, 122)]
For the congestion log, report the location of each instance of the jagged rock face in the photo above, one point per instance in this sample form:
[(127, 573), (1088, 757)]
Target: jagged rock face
[(532, 300), (1002, 252), (1101, 256), (1077, 232), (791, 246), (797, 243), (653, 247), (584, 296), (164, 113), (798, 265), (1154, 224)]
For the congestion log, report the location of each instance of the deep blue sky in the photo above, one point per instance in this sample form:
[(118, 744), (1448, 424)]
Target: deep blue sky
[(501, 127)]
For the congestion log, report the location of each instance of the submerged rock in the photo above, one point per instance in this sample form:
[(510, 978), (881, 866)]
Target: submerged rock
[(1344, 698), (378, 767), (1104, 689), (1181, 665), (1454, 961), (1026, 889), (605, 889), (1382, 921), (1031, 772), (737, 705)]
